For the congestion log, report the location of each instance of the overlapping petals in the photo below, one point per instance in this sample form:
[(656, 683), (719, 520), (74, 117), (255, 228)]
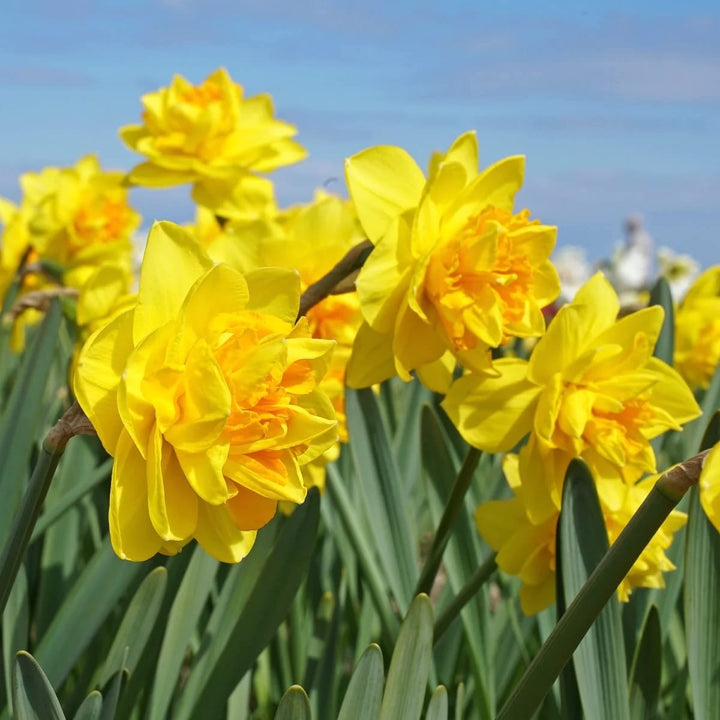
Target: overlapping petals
[(592, 389), (206, 394), (455, 270)]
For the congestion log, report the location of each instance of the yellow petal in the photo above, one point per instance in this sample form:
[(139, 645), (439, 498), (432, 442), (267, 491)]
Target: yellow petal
[(172, 503), (250, 511), (204, 472), (218, 535), (437, 376), (275, 291), (371, 360), (97, 377), (173, 262), (383, 181), (493, 413), (710, 487), (274, 475), (132, 534)]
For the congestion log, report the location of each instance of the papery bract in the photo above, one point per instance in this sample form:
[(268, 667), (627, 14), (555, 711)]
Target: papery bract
[(206, 394)]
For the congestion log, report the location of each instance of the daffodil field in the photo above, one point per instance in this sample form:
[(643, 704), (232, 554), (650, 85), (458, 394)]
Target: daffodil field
[(356, 458)]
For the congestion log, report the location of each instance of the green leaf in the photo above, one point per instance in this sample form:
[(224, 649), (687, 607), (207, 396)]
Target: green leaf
[(364, 693), (661, 295), (136, 626), (15, 627), (702, 610), (33, 696), (294, 705), (382, 494), (91, 707), (462, 557), (693, 432), (438, 705), (646, 670), (94, 595), (599, 661), (22, 414), (223, 661), (112, 694), (181, 625), (410, 664)]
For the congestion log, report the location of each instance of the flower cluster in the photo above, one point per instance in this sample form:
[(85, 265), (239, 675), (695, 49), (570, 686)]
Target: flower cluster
[(206, 394), (593, 390)]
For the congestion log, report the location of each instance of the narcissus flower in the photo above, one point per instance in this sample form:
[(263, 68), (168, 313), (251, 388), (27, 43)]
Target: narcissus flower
[(210, 132), (527, 549), (709, 486), (697, 330), (592, 389), (455, 269), (76, 221), (206, 394)]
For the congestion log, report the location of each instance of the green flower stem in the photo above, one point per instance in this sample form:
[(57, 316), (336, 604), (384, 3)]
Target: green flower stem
[(604, 581), (447, 521), (373, 575), (467, 593), (73, 422)]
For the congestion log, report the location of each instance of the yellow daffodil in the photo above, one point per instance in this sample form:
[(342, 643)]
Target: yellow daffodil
[(697, 330), (592, 389), (709, 486), (206, 394), (76, 220), (527, 549), (210, 132), (455, 269)]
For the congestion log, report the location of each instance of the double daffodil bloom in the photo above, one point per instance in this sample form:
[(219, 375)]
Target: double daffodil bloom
[(697, 330), (527, 549), (208, 132), (455, 270), (592, 389), (206, 394)]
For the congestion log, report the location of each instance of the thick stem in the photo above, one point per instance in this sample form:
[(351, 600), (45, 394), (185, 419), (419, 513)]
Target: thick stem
[(604, 581)]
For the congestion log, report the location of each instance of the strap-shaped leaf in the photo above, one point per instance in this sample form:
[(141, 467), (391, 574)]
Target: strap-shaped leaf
[(438, 705), (136, 626), (22, 413), (181, 625), (294, 705), (661, 295), (33, 696), (93, 597), (646, 670), (224, 660), (410, 664), (599, 660), (91, 707), (382, 494), (364, 693)]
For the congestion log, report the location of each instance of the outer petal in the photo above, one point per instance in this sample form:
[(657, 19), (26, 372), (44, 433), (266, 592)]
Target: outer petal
[(250, 511), (493, 413), (371, 360), (171, 501), (275, 475), (218, 535), (384, 181), (204, 472), (98, 374), (171, 254), (672, 395), (275, 291), (132, 534)]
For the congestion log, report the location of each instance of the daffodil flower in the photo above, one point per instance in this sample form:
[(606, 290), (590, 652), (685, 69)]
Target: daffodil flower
[(592, 389), (206, 394), (455, 270)]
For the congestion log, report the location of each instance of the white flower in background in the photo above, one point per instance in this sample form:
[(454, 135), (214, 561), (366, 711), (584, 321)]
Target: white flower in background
[(679, 270), (573, 270)]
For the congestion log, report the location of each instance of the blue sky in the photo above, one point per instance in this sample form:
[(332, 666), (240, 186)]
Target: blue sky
[(616, 105)]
